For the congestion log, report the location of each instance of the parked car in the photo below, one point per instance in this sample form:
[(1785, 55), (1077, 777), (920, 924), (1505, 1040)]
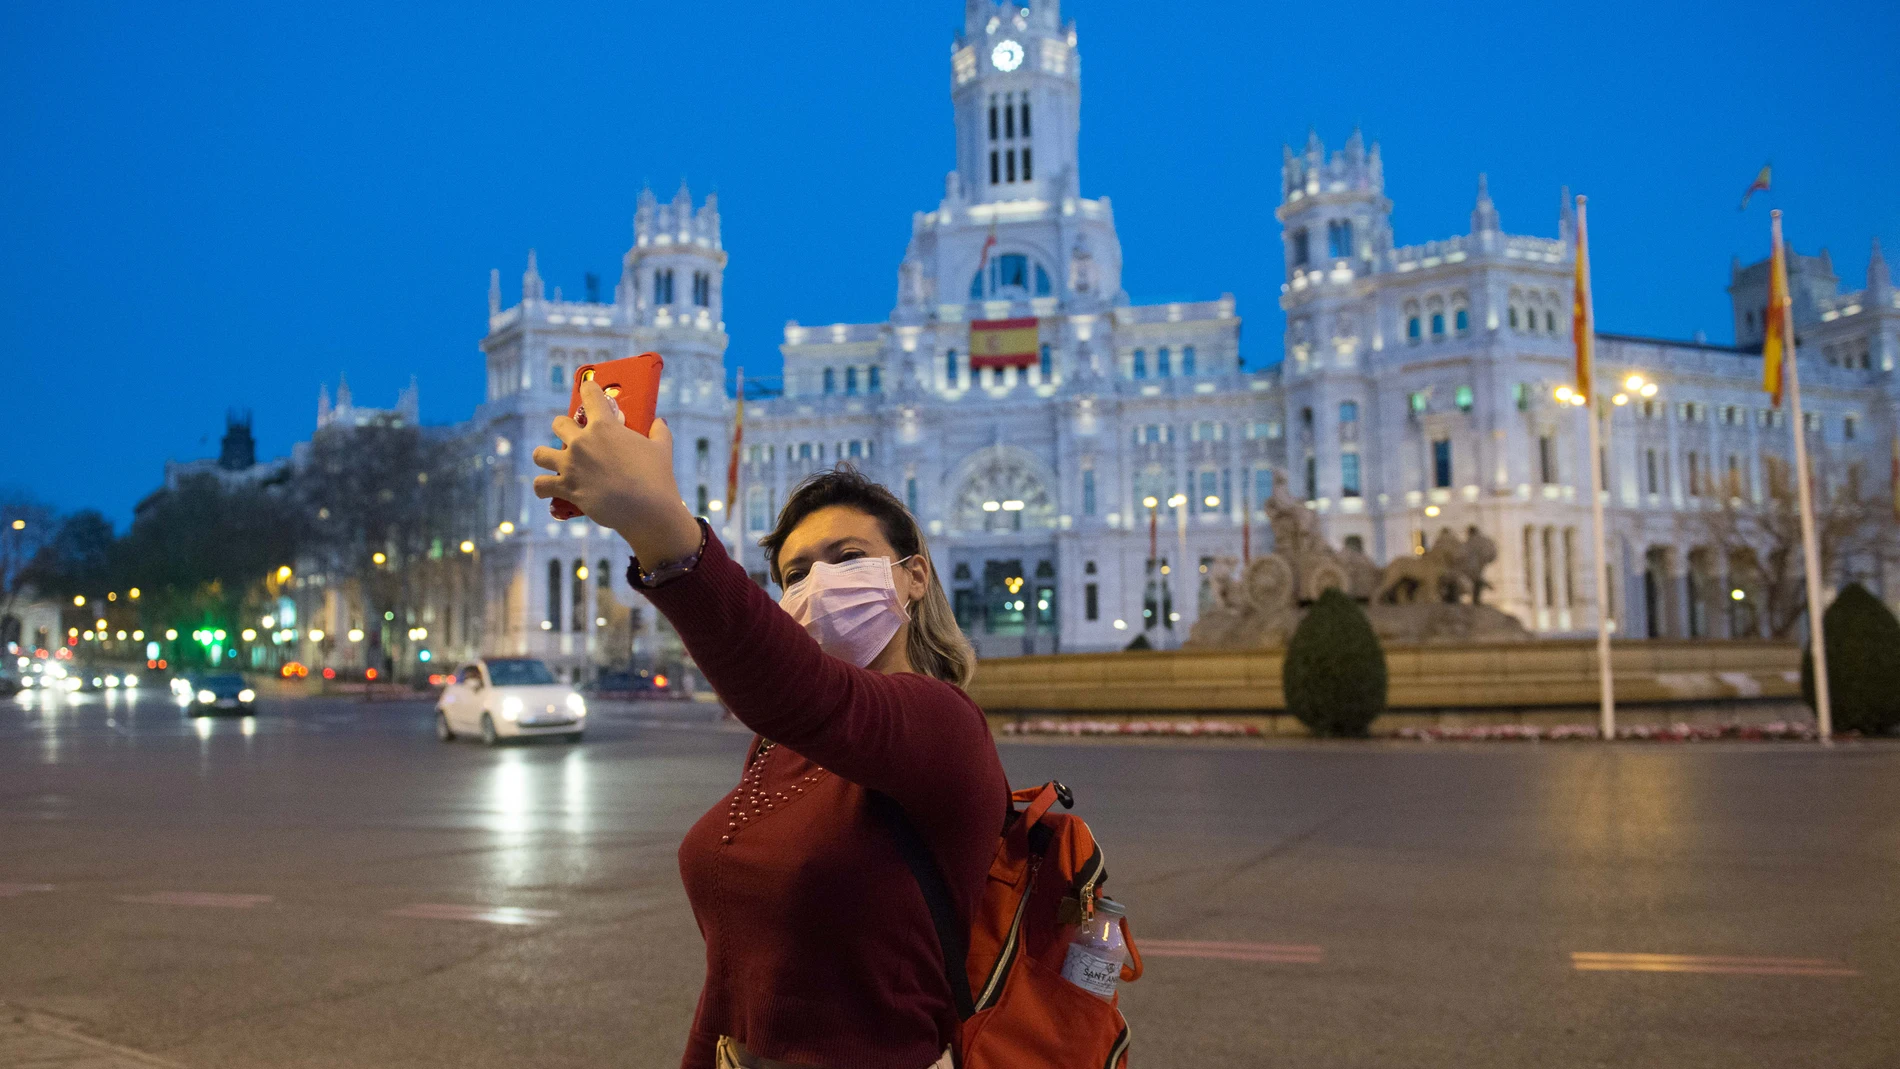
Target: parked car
[(498, 698), (9, 686), (210, 695), (633, 686)]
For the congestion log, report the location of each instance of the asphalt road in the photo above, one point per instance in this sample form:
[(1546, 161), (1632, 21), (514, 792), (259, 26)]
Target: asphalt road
[(326, 885)]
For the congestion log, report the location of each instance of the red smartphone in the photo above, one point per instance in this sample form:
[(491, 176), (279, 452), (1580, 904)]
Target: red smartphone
[(632, 386)]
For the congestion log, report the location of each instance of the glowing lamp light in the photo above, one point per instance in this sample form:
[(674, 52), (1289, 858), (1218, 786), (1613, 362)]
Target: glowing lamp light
[(112, 595), (1633, 384), (715, 505), (467, 546), (1737, 594), (379, 557), (171, 634), (120, 635), (1121, 625), (79, 599), (1620, 399), (1564, 394), (1149, 502), (283, 573), (506, 527), (1211, 501), (269, 621), (218, 634), (1649, 389), (580, 572), (1012, 506), (138, 636), (99, 624), (992, 506), (133, 593), (356, 634), (19, 525), (248, 635), (1177, 501), (1431, 510), (316, 634)]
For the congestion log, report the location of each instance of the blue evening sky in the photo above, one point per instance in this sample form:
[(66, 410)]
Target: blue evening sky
[(215, 205)]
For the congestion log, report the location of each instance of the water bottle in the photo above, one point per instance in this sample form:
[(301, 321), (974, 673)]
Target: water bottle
[(1095, 956)]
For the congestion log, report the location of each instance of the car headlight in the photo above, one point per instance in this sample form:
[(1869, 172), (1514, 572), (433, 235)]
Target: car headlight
[(130, 681), (71, 683), (207, 697), (112, 681), (247, 695), (576, 705), (511, 708)]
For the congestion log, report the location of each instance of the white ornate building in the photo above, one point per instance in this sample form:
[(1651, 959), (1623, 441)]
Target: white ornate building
[(1415, 393)]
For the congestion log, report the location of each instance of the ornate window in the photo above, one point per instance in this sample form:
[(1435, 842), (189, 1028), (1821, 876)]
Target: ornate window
[(1001, 490)]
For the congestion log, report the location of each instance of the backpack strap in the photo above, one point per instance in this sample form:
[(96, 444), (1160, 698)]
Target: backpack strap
[(951, 935)]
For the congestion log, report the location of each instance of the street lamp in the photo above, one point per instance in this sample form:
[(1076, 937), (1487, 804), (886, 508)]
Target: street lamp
[(356, 634), (19, 525), (79, 600), (379, 557), (467, 546)]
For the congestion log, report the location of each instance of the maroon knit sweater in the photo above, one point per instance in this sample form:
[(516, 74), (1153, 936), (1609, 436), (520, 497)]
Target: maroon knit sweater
[(819, 947)]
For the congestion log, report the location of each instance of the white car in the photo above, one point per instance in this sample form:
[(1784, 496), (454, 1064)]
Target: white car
[(499, 698)]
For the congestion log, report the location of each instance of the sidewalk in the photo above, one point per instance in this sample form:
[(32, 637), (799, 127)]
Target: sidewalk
[(30, 1040)]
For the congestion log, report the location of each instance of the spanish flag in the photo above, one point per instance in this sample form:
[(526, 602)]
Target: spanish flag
[(1759, 185), (1003, 342), (1776, 344), (738, 442), (1581, 328)]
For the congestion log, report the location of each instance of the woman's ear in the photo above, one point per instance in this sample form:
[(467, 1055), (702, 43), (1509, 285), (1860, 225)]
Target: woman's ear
[(915, 578)]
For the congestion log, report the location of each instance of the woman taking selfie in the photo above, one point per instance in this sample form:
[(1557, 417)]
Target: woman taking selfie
[(820, 949)]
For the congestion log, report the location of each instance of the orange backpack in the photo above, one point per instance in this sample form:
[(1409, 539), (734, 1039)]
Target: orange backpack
[(1015, 1009)]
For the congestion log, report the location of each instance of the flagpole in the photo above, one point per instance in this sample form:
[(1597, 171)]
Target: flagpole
[(1606, 685), (1810, 549)]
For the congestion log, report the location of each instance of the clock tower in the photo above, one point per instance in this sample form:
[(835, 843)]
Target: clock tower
[(1016, 84)]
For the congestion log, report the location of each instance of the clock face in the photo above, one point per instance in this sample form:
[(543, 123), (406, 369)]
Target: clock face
[(1008, 55)]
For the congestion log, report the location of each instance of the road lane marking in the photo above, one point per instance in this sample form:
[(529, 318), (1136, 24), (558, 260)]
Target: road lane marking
[(14, 890), (1272, 953), (205, 899), (1604, 961), (435, 911)]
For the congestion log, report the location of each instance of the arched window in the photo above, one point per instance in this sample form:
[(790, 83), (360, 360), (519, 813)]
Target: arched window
[(1514, 317), (1141, 363), (950, 368), (1010, 275), (1187, 360), (663, 286), (1028, 172), (1042, 277), (557, 377), (1411, 327), (1550, 321), (1438, 325), (850, 382), (1025, 109), (1461, 321), (1163, 362), (831, 381), (1300, 250), (875, 382), (993, 171)]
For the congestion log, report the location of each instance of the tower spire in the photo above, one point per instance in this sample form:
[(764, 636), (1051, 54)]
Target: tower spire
[(531, 280), (494, 291), (1484, 217), (1878, 278)]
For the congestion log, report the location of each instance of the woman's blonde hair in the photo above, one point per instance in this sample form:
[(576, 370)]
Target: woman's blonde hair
[(937, 646)]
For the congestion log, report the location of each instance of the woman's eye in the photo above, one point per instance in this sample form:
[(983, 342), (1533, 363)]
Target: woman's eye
[(794, 578)]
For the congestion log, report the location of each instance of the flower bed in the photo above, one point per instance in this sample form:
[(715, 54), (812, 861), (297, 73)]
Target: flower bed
[(1777, 731), (1186, 728)]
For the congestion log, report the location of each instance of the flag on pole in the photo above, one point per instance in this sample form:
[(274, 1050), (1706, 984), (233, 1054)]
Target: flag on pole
[(738, 439), (988, 244), (1582, 330), (1893, 480), (1760, 184), (1776, 345)]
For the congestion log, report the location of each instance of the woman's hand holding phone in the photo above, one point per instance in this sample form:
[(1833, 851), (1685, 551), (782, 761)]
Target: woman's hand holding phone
[(621, 479)]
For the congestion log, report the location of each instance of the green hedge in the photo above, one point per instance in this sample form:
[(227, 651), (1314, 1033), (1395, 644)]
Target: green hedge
[(1863, 663), (1334, 679)]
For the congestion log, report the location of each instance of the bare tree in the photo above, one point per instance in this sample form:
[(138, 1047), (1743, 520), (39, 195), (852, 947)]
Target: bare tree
[(1760, 536), (399, 492), (26, 526)]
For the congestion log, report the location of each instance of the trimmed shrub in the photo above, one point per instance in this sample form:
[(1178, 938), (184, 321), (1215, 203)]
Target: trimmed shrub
[(1140, 643), (1334, 678), (1863, 663)]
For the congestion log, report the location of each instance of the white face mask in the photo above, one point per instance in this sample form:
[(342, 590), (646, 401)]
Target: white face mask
[(850, 608)]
